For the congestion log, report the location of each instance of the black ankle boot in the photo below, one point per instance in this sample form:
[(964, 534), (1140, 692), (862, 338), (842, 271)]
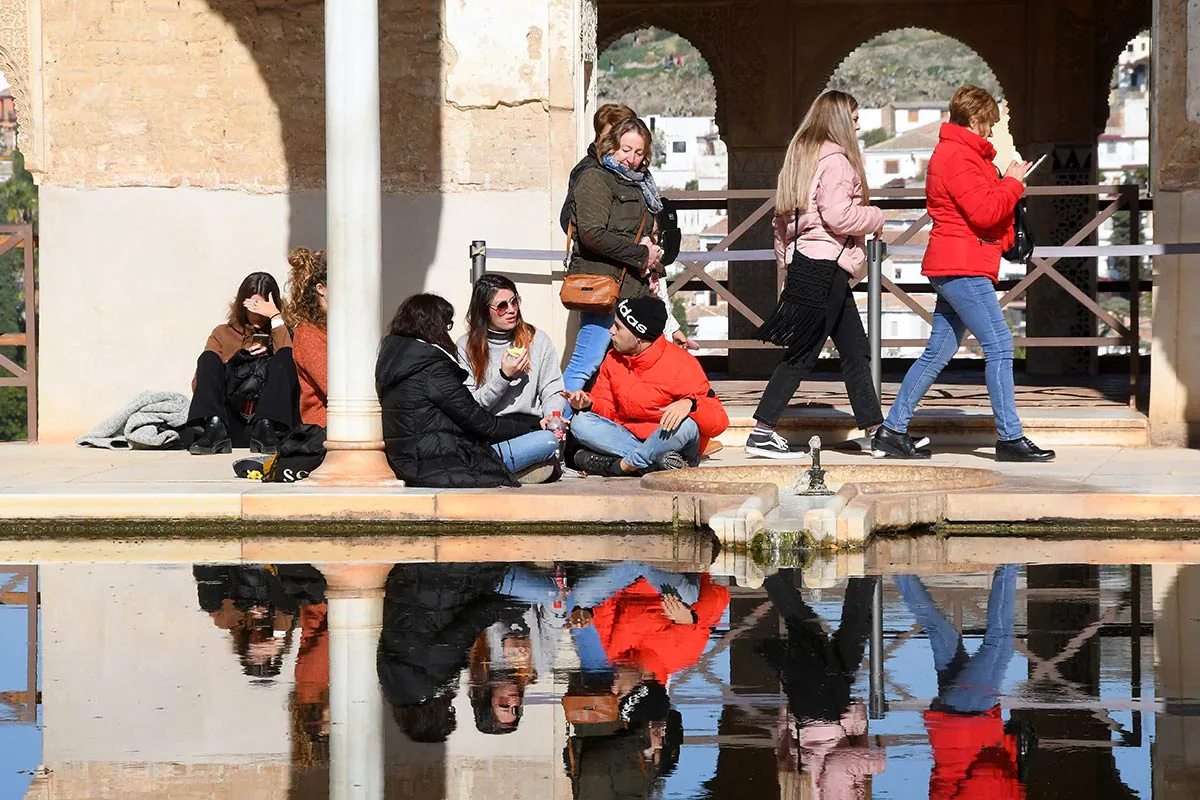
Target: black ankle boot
[(215, 439), (263, 438), (594, 463), (887, 443), (1021, 450)]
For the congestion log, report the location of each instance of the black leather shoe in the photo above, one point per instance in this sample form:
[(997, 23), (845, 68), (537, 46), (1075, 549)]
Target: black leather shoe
[(263, 438), (594, 463), (1021, 450), (887, 443), (215, 439)]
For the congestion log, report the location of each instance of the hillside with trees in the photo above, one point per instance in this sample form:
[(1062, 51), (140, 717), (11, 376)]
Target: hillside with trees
[(18, 205), (658, 72)]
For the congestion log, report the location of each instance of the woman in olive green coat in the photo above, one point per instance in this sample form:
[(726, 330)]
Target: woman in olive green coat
[(613, 204)]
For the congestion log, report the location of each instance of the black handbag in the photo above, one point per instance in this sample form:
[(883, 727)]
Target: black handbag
[(1022, 248), (245, 377), (669, 236)]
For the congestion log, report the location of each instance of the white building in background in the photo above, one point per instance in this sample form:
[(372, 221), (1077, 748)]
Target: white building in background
[(693, 153), (901, 117), (1125, 144), (901, 160)]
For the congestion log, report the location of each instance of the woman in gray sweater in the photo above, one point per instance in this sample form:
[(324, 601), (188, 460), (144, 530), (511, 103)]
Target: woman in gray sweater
[(513, 367)]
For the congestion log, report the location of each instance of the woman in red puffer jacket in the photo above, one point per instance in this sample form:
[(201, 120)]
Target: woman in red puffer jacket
[(972, 210)]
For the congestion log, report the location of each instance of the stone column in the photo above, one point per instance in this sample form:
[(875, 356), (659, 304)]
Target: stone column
[(1175, 158), (355, 595), (757, 116), (355, 443), (1175, 757)]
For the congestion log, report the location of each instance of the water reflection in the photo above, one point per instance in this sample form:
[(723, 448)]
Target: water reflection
[(824, 749), (975, 754), (591, 681)]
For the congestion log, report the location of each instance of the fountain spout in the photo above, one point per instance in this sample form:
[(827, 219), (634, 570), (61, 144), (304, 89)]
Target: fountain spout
[(816, 475)]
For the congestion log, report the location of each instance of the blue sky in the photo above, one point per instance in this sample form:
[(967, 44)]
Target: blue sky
[(20, 744)]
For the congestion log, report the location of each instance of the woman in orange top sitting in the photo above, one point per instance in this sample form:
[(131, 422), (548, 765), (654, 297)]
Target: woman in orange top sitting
[(307, 310)]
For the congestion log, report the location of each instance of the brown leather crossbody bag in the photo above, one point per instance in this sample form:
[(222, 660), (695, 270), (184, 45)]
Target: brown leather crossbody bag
[(595, 294)]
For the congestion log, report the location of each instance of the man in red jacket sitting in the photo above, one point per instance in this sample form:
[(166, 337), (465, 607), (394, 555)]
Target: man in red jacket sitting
[(652, 407)]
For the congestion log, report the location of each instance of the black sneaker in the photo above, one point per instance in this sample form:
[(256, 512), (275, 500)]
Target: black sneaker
[(887, 443), (263, 438), (592, 463), (672, 459), (251, 467), (214, 440), (770, 445), (1021, 450)]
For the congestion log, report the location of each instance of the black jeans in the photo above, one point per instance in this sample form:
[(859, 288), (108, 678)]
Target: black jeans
[(279, 401), (844, 325), (818, 670)]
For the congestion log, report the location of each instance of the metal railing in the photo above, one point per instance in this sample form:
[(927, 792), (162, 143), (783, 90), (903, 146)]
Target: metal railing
[(21, 237), (695, 277)]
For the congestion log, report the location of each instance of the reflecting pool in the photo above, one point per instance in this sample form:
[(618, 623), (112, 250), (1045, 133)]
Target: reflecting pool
[(597, 680)]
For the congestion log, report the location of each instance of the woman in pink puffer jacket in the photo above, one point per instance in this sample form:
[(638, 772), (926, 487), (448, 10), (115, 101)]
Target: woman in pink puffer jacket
[(821, 223)]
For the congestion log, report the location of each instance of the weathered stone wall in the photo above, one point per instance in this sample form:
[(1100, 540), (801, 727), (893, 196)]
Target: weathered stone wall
[(151, 105), (1175, 161), (230, 93)]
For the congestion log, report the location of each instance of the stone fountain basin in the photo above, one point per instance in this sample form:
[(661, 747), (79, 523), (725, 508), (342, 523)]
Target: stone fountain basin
[(736, 501)]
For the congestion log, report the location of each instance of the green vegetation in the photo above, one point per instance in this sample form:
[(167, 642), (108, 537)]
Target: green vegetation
[(18, 206), (911, 64), (905, 65), (639, 78)]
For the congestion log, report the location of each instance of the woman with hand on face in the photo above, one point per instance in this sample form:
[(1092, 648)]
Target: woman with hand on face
[(613, 203), (513, 366), (254, 330)]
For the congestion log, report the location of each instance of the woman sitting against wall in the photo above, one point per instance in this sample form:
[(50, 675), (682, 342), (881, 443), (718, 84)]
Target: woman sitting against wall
[(435, 433), (512, 366), (245, 391), (307, 309)]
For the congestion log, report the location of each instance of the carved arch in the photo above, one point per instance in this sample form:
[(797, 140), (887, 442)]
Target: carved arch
[(840, 44), (1120, 21), (15, 64), (703, 28)]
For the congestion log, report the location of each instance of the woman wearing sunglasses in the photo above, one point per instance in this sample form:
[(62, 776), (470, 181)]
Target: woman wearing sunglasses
[(513, 366)]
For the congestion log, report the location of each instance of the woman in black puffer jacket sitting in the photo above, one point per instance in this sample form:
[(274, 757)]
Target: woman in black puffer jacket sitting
[(434, 432)]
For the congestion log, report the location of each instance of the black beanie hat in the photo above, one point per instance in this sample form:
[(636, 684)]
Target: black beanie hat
[(645, 316)]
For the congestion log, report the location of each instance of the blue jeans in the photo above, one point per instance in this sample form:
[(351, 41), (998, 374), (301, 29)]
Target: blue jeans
[(591, 343), (605, 436), (526, 450), (967, 685), (967, 303), (536, 587)]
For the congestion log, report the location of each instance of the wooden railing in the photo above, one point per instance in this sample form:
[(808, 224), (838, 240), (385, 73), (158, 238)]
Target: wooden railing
[(21, 237)]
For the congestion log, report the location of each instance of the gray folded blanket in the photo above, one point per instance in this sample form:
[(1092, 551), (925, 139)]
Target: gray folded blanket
[(147, 423)]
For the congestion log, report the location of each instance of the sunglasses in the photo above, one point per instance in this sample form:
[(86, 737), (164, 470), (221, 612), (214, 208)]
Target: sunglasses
[(503, 306)]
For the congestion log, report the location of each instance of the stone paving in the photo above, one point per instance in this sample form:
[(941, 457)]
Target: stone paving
[(64, 482)]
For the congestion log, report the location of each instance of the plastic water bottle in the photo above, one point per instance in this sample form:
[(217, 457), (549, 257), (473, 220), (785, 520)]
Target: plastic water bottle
[(558, 426)]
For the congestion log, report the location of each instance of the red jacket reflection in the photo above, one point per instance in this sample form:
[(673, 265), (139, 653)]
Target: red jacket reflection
[(634, 630), (973, 758)]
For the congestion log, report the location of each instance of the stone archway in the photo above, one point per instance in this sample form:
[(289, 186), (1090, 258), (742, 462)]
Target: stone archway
[(704, 30), (20, 59)]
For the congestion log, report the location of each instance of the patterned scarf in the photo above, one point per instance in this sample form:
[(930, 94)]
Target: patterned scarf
[(643, 180)]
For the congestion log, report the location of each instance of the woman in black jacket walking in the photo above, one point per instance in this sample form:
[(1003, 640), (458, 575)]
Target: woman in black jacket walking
[(435, 434)]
